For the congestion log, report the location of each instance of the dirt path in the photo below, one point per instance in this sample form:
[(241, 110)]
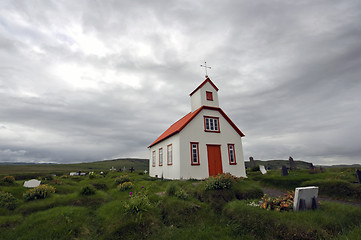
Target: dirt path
[(273, 192)]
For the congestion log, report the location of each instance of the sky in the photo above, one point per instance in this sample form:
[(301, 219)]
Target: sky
[(88, 80)]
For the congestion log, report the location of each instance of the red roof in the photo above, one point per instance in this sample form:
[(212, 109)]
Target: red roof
[(202, 84), (180, 124)]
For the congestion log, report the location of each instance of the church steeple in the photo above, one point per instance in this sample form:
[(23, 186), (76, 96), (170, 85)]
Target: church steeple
[(205, 94)]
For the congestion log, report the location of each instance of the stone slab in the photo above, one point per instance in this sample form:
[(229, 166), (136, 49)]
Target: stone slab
[(305, 198)]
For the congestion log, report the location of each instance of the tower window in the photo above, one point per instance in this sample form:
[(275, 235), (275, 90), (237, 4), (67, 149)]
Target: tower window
[(209, 96)]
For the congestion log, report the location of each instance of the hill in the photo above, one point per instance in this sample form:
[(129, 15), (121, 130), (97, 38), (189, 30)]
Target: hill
[(137, 164), (277, 164)]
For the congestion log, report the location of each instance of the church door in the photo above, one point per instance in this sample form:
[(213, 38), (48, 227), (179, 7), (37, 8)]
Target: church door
[(214, 159)]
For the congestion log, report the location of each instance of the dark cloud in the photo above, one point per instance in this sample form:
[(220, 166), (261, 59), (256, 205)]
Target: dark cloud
[(91, 80)]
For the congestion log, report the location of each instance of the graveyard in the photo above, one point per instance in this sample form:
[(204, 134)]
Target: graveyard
[(113, 204)]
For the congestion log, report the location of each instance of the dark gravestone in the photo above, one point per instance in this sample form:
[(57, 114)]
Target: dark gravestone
[(292, 163), (284, 171), (358, 175), (312, 168), (252, 164), (131, 169)]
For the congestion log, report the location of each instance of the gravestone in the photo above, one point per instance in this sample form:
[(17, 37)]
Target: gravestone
[(262, 169), (292, 163), (112, 169), (145, 171), (305, 198), (252, 164), (131, 169), (312, 167), (358, 175), (32, 183), (284, 171)]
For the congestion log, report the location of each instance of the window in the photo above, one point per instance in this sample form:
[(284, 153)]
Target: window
[(169, 155), (160, 156), (231, 154), (153, 158), (209, 96), (194, 153), (211, 124)]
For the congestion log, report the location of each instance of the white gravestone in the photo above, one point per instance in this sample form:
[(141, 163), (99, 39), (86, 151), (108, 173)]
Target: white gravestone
[(262, 169), (32, 183), (305, 198)]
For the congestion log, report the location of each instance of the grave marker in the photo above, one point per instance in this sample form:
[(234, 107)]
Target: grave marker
[(252, 164), (305, 198), (292, 163), (284, 171), (262, 169), (358, 175)]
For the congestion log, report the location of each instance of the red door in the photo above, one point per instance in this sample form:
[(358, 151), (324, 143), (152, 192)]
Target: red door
[(214, 159)]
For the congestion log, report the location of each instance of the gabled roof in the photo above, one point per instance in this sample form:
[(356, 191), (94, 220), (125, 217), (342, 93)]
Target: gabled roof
[(181, 123), (202, 84)]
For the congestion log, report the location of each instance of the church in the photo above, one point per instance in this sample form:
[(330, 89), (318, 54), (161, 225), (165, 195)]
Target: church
[(203, 143)]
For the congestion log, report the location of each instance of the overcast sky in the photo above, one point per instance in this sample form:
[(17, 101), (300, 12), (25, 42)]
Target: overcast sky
[(89, 80)]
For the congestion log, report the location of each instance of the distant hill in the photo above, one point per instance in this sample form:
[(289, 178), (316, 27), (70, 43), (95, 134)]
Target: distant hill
[(15, 168), (277, 164)]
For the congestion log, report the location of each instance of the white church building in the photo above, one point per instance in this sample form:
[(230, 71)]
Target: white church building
[(203, 143)]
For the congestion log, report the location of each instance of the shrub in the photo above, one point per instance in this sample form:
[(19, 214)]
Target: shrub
[(125, 186), (87, 190), (7, 200), (284, 203), (221, 181), (8, 180), (181, 194), (42, 191), (122, 179), (137, 204), (171, 189)]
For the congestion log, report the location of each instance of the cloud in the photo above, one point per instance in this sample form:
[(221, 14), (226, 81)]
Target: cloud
[(88, 80)]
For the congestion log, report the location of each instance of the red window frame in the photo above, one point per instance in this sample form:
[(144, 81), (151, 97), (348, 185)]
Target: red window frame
[(209, 96), (153, 158), (161, 156), (233, 153), (170, 159), (205, 124), (192, 159)]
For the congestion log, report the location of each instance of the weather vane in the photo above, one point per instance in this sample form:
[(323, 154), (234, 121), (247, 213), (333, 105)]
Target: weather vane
[(205, 67)]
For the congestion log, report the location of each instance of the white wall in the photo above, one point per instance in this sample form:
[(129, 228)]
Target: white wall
[(167, 171), (194, 132)]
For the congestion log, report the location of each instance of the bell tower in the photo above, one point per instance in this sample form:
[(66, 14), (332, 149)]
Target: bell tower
[(205, 94)]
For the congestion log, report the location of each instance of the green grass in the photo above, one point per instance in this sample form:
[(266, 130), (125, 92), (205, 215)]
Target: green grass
[(204, 214)]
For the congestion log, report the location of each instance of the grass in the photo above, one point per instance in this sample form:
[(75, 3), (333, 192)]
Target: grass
[(160, 212)]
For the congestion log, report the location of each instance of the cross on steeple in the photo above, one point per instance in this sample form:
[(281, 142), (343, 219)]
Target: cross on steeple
[(205, 67)]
